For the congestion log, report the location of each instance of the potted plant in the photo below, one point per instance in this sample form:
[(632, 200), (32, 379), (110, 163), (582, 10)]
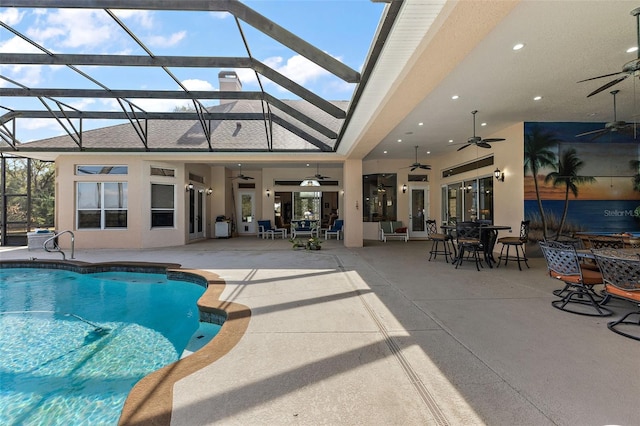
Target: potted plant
[(314, 243), (297, 243)]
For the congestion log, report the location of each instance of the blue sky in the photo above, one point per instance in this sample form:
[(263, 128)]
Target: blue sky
[(343, 29)]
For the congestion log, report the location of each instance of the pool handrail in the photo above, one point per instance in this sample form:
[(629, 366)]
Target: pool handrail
[(57, 247)]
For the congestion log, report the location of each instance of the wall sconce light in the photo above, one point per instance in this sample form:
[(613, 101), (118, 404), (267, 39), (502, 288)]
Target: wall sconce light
[(499, 175), (268, 193), (189, 187), (209, 191), (404, 188)]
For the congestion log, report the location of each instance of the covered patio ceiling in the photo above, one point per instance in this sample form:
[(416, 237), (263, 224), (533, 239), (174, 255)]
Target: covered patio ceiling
[(318, 122)]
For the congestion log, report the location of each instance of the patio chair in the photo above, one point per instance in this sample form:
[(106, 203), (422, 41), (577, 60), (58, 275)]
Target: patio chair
[(469, 244), (621, 275), (264, 226), (578, 296), (437, 238), (335, 229), (518, 243)]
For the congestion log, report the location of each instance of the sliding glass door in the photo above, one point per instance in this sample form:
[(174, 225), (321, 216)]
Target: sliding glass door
[(469, 200)]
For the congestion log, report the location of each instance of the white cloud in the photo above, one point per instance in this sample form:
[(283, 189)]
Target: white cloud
[(220, 15), (142, 17), (75, 28), (297, 68), (195, 84), (247, 76), (18, 45), (11, 16), (166, 41)]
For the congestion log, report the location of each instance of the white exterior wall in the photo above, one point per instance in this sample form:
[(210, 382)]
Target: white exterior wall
[(508, 196)]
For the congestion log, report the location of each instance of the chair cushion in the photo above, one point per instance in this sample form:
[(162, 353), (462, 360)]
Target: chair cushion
[(589, 277), (402, 230), (625, 294), (510, 240), (439, 237)]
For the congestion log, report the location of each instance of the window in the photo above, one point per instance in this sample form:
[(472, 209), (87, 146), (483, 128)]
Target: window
[(306, 205), (161, 171), (162, 205), (468, 200), (101, 170), (379, 197), (101, 205)]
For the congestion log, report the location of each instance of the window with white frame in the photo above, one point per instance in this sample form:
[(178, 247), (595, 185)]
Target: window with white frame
[(101, 205), (162, 205)]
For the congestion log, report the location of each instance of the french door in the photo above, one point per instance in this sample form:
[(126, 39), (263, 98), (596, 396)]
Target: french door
[(196, 213), (418, 210), (246, 213)]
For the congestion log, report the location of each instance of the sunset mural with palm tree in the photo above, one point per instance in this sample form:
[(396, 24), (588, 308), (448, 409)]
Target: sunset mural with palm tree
[(580, 185)]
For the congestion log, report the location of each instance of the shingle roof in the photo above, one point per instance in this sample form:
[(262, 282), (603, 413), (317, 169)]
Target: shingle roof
[(226, 135)]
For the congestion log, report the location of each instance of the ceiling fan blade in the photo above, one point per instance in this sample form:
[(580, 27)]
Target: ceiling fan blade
[(593, 132), (425, 167), (609, 84), (413, 168), (463, 147), (493, 140), (483, 145), (600, 76)]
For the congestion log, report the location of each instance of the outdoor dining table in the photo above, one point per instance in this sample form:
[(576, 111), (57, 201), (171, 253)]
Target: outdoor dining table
[(488, 238)]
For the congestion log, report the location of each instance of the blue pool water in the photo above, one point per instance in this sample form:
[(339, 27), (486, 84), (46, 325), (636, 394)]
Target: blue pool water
[(73, 345)]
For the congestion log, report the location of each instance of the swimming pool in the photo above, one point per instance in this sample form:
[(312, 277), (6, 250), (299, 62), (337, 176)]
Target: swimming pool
[(73, 345)]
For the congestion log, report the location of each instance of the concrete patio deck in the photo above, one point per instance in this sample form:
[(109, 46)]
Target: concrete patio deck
[(380, 336)]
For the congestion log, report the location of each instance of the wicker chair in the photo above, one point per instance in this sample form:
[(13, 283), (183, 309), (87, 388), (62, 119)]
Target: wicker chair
[(437, 238), (469, 244), (578, 296), (621, 275), (518, 243)]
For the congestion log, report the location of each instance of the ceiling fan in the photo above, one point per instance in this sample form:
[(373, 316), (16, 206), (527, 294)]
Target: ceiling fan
[(628, 69), (318, 176), (477, 140), (241, 176), (417, 165), (614, 126)]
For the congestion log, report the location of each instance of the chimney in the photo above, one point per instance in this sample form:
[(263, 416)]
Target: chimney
[(229, 82)]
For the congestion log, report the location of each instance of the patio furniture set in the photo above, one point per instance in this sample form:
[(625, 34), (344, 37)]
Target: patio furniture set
[(616, 269), (300, 228)]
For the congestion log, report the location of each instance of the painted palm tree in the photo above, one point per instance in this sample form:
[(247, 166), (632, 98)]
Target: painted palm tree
[(538, 154), (567, 176)]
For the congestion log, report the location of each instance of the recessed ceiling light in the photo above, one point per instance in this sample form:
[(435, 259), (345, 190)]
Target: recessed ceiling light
[(537, 98), (518, 46), (399, 140), (450, 140), (428, 152), (483, 124), (454, 97), (420, 124), (384, 152), (632, 49), (307, 164)]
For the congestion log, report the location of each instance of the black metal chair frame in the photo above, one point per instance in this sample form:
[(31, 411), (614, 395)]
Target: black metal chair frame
[(518, 243), (437, 238), (563, 264), (469, 243), (621, 277)]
